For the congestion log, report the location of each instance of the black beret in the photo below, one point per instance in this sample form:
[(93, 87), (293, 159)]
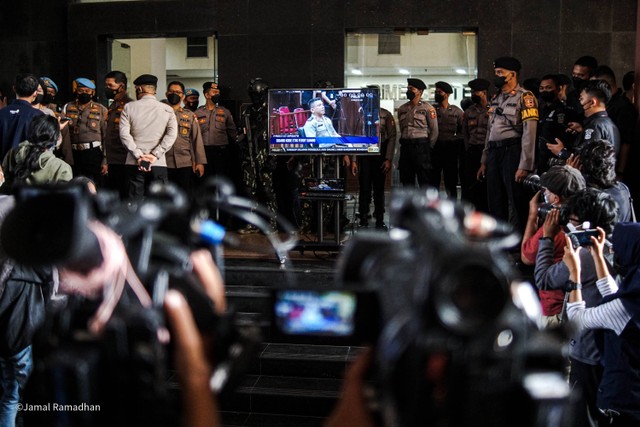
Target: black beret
[(146, 79), (508, 63), (207, 85), (479, 84), (444, 86), (417, 83)]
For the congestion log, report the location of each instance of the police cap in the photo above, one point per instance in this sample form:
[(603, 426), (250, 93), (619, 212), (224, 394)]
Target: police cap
[(445, 87), (208, 85), (82, 82), (479, 84), (50, 83), (417, 83), (508, 63), (191, 91), (146, 79)]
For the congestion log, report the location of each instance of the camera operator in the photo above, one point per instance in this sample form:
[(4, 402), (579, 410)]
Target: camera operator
[(559, 183), (616, 320), (601, 211)]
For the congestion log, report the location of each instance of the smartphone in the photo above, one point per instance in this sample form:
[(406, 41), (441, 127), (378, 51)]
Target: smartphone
[(582, 237), (65, 119), (145, 164), (328, 316)]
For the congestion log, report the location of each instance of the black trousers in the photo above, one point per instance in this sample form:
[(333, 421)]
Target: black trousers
[(219, 161), (371, 178), (139, 181), (444, 162), (474, 191), (118, 180), (584, 380), (414, 162), (506, 197), (183, 178), (88, 163)]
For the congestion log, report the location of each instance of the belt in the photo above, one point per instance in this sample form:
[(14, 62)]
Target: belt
[(86, 145), (505, 143), (217, 147), (413, 141)]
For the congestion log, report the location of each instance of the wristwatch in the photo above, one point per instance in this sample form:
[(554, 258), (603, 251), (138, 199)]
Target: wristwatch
[(573, 286)]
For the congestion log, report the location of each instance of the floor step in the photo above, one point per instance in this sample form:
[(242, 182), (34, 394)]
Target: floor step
[(318, 361), (243, 419)]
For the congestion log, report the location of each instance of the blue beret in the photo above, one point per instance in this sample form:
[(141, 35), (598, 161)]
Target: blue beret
[(191, 91), (50, 83), (86, 83)]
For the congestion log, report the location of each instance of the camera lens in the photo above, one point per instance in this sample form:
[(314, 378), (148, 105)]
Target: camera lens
[(532, 182)]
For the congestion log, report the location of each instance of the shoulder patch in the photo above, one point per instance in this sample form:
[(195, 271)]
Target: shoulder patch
[(432, 113), (529, 107)]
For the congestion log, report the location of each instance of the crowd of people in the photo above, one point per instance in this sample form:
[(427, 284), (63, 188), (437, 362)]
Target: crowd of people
[(578, 133)]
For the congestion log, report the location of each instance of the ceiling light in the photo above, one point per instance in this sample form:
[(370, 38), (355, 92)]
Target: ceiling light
[(461, 71), (404, 71), (356, 72)]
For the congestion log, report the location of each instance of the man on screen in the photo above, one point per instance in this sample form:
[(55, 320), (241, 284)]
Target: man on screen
[(317, 124)]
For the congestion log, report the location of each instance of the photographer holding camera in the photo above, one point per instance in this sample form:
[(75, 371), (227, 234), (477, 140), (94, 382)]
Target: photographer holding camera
[(558, 183), (600, 210), (616, 320)]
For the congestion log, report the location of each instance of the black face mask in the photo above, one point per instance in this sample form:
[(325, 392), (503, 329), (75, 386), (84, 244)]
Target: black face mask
[(84, 98), (499, 81), (48, 99), (547, 96), (173, 98), (410, 95), (215, 99), (110, 93), (476, 99), (439, 98), (193, 106), (38, 100), (578, 83)]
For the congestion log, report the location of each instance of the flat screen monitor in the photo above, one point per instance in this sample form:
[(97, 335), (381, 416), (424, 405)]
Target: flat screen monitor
[(324, 121)]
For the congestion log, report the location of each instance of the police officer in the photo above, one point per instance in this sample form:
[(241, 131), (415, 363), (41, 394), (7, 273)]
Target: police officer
[(474, 131), (87, 130), (148, 129), (191, 99), (418, 133), (445, 153), (186, 157), (509, 153), (218, 131), (373, 171), (50, 96)]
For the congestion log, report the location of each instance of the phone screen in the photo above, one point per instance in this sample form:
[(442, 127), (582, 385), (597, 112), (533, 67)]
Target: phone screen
[(320, 313)]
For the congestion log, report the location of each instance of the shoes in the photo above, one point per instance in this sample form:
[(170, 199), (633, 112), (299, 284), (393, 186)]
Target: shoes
[(363, 223), (248, 229), (380, 225)]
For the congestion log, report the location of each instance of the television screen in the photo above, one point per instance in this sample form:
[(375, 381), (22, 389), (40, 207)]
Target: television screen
[(324, 121)]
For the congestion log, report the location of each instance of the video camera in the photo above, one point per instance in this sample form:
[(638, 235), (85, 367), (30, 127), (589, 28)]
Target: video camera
[(456, 338), (124, 367)]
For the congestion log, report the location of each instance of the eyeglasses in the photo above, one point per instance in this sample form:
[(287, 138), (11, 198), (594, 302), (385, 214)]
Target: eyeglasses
[(177, 92)]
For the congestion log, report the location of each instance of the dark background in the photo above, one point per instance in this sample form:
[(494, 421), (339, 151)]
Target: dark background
[(293, 43)]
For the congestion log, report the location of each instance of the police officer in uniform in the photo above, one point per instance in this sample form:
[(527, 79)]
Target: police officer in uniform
[(87, 130), (148, 129), (474, 131), (218, 131), (115, 88), (50, 96), (191, 99), (509, 154), (445, 154), (418, 133), (186, 157)]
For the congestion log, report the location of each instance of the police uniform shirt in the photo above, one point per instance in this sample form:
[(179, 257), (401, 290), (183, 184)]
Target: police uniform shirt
[(147, 126), (514, 114), (88, 124), (554, 119), (188, 148), (388, 134), (116, 151), (216, 125), (315, 127), (418, 121), (474, 125), (449, 123), (599, 126)]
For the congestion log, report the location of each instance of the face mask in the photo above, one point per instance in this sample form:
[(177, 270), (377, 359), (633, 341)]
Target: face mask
[(38, 100), (48, 99), (578, 83), (547, 96), (193, 106), (84, 98), (476, 99), (410, 95), (110, 93), (499, 81), (215, 99), (173, 98), (439, 98)]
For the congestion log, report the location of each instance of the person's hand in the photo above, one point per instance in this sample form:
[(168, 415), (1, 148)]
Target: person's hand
[(521, 174), (205, 268), (352, 408), (150, 157), (198, 169), (1, 176), (571, 259), (346, 161), (533, 205), (574, 161), (551, 225), (3, 101), (574, 128), (63, 123), (386, 166), (597, 244), (556, 148), (481, 172), (354, 168), (104, 169)]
